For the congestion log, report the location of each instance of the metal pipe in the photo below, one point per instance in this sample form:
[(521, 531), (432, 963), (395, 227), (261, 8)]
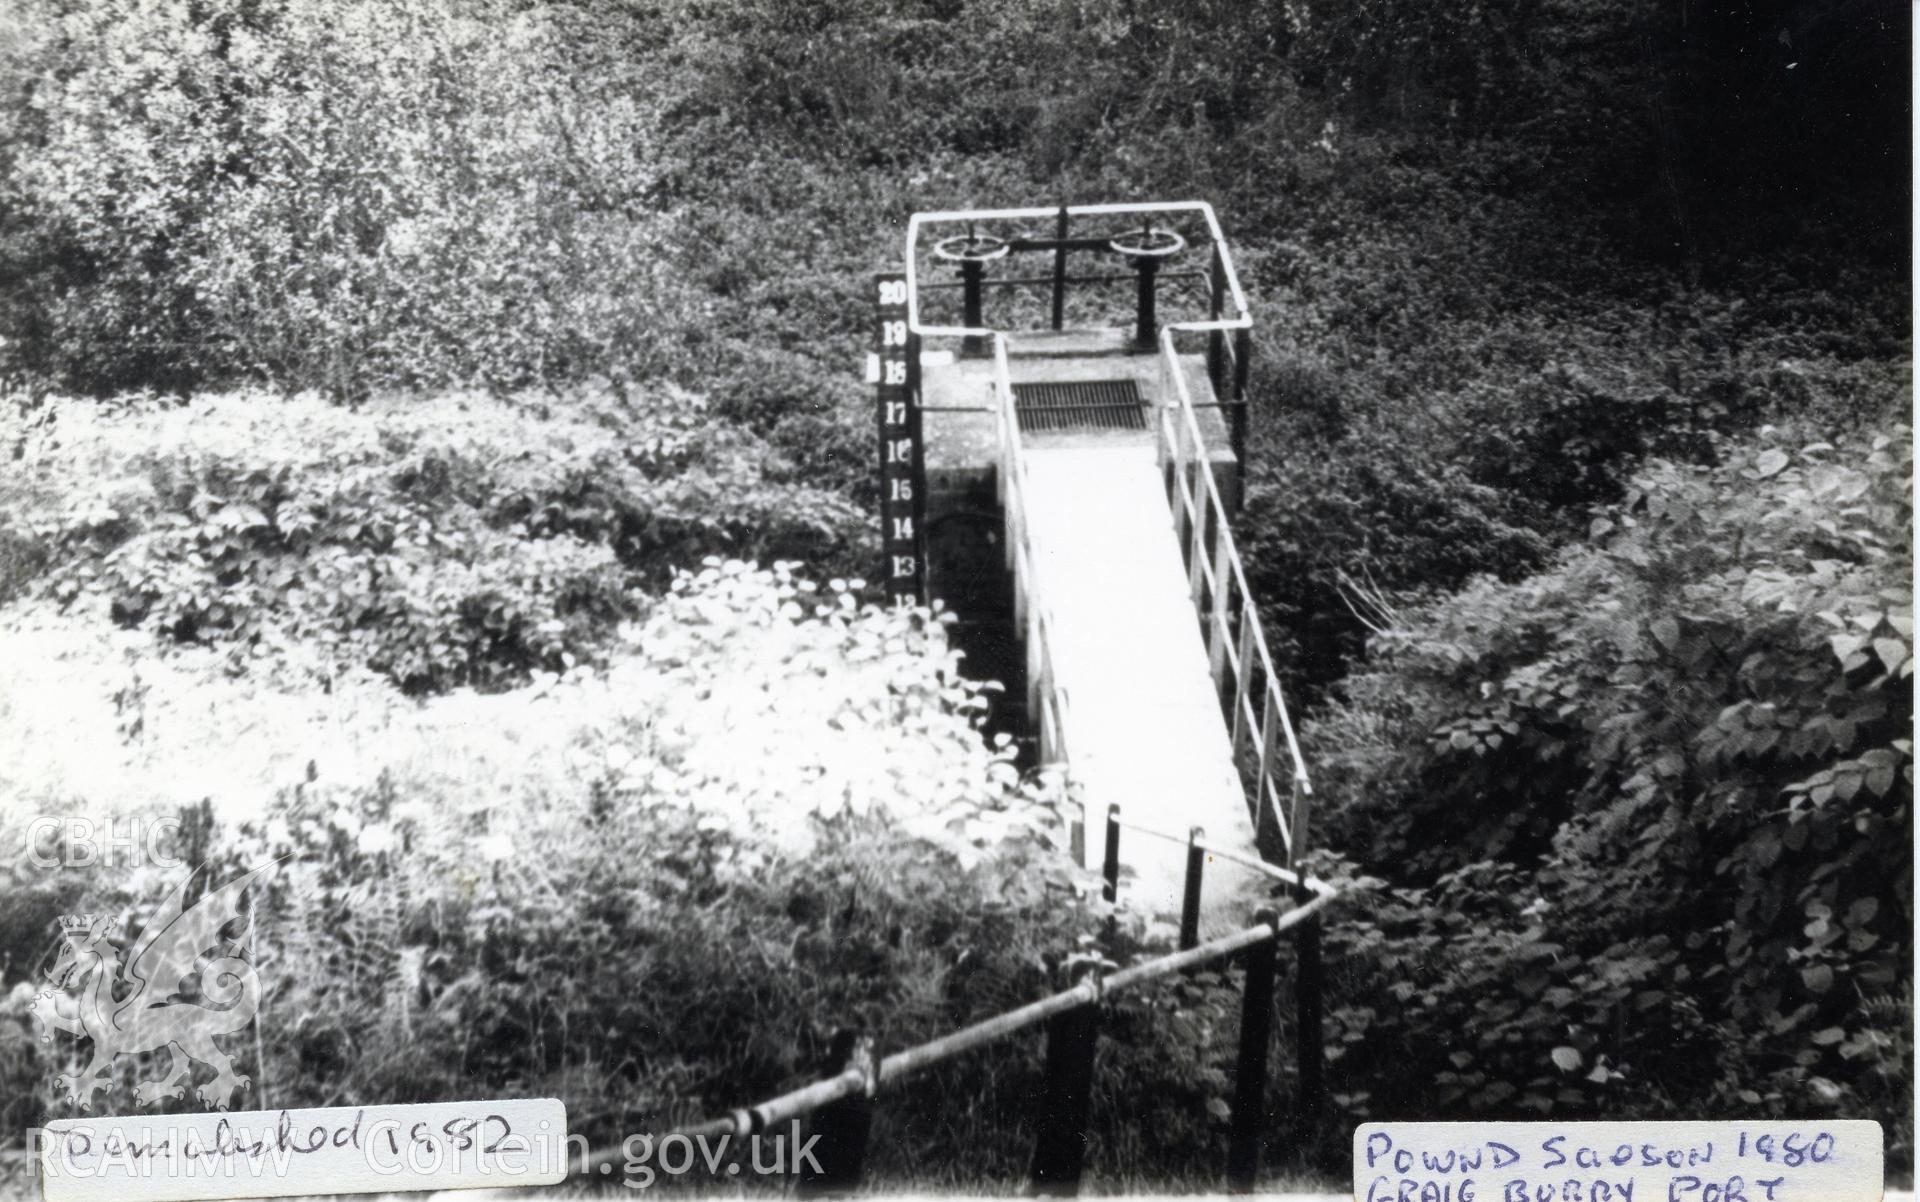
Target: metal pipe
[(806, 1099), (1166, 966), (900, 1064)]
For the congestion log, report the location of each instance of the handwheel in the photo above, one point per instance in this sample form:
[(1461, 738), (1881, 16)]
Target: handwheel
[(971, 248), (1149, 242)]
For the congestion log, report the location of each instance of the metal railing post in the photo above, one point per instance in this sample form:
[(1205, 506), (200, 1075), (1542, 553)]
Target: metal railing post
[(1146, 323), (1299, 815), (1219, 626), (1110, 863), (1190, 903), (1216, 339), (973, 274), (1243, 681), (1266, 832), (1249, 1117), (1060, 1129), (1060, 269), (1237, 431), (1311, 1039), (1036, 658), (1270, 742), (1197, 551), (839, 1153)]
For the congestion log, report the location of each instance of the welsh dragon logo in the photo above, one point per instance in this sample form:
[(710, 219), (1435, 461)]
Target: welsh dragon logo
[(149, 1013)]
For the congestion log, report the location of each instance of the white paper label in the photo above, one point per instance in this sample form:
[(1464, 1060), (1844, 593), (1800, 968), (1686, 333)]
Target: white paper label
[(1811, 1161), (283, 1153)]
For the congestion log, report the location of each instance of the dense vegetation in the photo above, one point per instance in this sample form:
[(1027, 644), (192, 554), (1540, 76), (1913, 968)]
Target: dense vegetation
[(442, 542), (1648, 805), (1580, 501)]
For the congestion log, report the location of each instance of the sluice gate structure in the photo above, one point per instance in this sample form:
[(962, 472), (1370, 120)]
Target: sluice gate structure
[(1066, 485)]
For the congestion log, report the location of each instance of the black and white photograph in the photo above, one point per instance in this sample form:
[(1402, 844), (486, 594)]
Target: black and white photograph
[(825, 598)]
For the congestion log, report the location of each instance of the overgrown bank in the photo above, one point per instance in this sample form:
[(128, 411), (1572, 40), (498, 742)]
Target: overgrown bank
[(770, 818), (1649, 809)]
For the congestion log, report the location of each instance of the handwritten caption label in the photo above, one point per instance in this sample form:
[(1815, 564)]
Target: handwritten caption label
[(286, 1153), (1815, 1161)]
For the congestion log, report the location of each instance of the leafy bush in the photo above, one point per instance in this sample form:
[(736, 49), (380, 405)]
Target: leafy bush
[(464, 541), (1648, 812)]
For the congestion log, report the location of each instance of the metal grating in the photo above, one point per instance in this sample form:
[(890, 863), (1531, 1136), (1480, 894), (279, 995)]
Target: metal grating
[(1080, 405)]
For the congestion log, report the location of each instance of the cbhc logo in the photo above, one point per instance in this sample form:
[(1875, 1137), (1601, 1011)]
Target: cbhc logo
[(70, 841)]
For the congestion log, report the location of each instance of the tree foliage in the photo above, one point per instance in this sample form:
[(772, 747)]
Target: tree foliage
[(325, 195), (1653, 804)]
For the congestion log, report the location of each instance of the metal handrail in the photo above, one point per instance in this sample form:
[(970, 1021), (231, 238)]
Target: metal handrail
[(1046, 698), (1197, 506)]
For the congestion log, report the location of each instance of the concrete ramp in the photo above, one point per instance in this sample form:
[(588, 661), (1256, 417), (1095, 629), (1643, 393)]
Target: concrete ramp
[(1142, 724)]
